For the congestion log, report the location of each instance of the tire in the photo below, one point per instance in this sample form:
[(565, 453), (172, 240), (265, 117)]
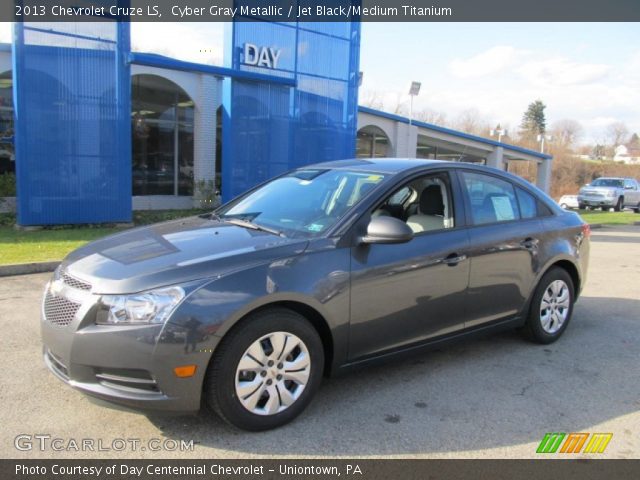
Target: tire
[(620, 205), (637, 209), (265, 407), (564, 206), (542, 325), (581, 206), (605, 209)]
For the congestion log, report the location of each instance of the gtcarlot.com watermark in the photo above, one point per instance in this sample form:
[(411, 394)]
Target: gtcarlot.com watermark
[(26, 442)]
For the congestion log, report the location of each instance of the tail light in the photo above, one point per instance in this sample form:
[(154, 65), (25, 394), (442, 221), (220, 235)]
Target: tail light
[(586, 230)]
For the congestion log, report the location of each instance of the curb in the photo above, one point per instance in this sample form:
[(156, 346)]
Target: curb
[(27, 268), (595, 226)]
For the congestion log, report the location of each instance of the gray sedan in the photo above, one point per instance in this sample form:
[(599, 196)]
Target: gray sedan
[(323, 269)]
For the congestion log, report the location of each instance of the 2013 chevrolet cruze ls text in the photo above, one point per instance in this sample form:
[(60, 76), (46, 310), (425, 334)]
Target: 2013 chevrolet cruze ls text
[(322, 269)]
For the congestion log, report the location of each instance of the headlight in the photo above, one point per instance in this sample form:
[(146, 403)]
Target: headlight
[(154, 306)]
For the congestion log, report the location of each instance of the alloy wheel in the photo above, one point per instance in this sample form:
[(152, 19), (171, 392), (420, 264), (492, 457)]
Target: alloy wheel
[(555, 306), (272, 373)]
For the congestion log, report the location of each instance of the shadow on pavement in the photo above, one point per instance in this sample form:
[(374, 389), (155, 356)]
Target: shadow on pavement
[(494, 392)]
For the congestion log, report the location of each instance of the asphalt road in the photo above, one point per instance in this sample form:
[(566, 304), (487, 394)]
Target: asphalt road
[(490, 398)]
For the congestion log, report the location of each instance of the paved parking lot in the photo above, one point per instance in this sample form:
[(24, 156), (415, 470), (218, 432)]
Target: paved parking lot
[(490, 398)]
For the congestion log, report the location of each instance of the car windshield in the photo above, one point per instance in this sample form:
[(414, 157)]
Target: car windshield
[(607, 182), (304, 202)]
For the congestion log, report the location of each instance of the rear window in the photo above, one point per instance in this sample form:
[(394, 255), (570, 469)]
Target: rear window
[(528, 204)]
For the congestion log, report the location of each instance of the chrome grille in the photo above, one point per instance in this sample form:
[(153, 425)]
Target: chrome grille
[(74, 282), (59, 310)]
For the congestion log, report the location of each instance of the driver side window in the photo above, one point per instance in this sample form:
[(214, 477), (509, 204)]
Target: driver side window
[(425, 204)]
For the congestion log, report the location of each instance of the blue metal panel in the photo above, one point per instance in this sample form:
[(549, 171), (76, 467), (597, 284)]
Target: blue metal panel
[(269, 129), (72, 103)]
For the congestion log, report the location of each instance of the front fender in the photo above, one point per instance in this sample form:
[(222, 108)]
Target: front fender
[(316, 279)]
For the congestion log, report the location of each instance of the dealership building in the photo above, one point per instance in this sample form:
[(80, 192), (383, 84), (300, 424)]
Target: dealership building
[(94, 131)]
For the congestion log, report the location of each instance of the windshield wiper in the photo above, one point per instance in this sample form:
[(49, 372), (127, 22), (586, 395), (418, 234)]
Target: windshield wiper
[(254, 226)]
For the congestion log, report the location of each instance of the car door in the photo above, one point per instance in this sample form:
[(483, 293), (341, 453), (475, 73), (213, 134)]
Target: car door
[(504, 235), (406, 293), (631, 193)]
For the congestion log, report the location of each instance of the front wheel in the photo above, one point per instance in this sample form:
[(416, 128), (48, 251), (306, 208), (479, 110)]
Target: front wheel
[(620, 205), (551, 307), (265, 371)]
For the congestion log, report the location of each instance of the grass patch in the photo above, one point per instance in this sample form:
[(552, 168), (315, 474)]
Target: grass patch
[(627, 217), (54, 243)]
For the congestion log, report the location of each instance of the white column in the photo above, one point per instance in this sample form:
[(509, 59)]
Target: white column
[(406, 140), (543, 178), (495, 158), (204, 128)]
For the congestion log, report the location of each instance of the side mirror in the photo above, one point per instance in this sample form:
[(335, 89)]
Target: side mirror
[(387, 230), (629, 187)]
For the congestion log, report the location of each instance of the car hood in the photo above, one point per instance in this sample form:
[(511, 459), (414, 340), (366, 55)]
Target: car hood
[(173, 252)]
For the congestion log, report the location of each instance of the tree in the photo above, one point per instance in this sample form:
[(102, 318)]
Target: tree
[(373, 99), (471, 121), (431, 116), (616, 134), (566, 132), (534, 122), (634, 141)]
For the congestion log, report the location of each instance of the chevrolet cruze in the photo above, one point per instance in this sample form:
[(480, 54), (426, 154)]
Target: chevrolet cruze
[(325, 268)]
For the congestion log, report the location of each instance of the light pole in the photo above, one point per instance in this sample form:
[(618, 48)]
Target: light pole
[(499, 131), (414, 90), (541, 138)]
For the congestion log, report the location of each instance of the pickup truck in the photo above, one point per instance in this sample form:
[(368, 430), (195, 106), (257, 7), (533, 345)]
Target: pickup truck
[(610, 192)]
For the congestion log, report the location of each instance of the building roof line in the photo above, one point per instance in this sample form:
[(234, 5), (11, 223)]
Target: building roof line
[(457, 133)]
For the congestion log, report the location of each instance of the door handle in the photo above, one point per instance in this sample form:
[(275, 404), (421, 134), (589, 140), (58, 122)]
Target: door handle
[(454, 259), (530, 243)]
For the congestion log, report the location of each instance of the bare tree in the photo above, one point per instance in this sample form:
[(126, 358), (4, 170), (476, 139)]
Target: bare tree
[(372, 99), (471, 121), (566, 132), (431, 116), (400, 105), (617, 133)]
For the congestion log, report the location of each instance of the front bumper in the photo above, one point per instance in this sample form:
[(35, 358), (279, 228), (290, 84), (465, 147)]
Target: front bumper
[(130, 366), (597, 201)]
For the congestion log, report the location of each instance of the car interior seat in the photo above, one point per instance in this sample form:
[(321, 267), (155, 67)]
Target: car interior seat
[(430, 214)]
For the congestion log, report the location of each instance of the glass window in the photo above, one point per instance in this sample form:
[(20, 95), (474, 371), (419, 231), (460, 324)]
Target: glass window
[(304, 202), (371, 142), (162, 137), (7, 153), (607, 182), (492, 199), (430, 208), (528, 204)]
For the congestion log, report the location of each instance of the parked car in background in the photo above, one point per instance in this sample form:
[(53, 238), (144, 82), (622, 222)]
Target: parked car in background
[(316, 272), (610, 192), (568, 201)]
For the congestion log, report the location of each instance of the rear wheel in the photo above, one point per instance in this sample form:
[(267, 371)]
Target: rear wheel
[(564, 206), (620, 205), (637, 208), (551, 307), (265, 371)]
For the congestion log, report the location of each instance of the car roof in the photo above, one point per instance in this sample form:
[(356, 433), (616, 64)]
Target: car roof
[(381, 165)]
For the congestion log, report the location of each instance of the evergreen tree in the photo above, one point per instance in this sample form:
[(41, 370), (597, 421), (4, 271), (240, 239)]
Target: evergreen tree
[(534, 122)]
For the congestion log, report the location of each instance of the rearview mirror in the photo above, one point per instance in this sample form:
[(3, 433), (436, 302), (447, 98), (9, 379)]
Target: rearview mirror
[(387, 230)]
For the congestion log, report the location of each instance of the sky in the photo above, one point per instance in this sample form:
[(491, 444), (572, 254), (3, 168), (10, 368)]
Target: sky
[(589, 72)]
